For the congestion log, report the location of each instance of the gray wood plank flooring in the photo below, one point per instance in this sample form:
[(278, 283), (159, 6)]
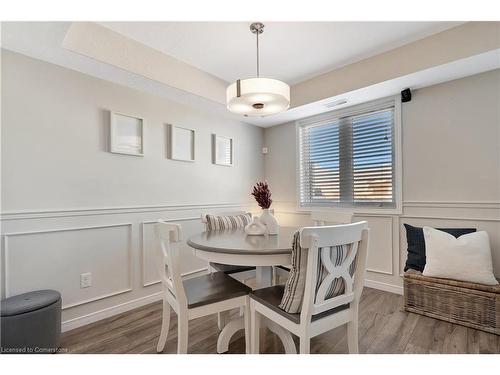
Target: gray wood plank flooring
[(384, 328)]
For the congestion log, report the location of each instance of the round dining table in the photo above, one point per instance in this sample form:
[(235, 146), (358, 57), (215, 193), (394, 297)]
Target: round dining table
[(235, 247)]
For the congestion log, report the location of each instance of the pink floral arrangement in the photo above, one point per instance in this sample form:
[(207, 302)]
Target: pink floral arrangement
[(262, 195)]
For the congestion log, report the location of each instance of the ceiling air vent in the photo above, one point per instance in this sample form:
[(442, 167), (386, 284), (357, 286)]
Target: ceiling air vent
[(336, 103)]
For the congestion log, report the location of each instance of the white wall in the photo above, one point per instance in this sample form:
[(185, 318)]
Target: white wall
[(451, 171), (55, 130), (69, 206)]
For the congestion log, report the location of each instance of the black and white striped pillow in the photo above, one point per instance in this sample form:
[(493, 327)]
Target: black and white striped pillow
[(293, 295), (227, 222)]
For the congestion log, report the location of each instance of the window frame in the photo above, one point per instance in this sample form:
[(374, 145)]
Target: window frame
[(397, 161)]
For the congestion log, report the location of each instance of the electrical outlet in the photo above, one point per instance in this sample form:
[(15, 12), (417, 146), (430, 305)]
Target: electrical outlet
[(85, 280)]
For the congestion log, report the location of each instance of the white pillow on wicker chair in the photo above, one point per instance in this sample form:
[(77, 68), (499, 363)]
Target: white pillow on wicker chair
[(466, 258)]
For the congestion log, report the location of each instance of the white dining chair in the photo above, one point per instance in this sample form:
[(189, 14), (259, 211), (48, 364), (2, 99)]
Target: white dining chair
[(194, 297), (319, 314), (241, 273), (319, 219)]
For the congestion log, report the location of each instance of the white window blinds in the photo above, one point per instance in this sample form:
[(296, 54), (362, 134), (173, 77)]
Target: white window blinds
[(347, 157)]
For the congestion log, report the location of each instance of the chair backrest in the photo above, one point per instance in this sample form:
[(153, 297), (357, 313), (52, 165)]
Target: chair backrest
[(169, 238), (320, 241), (321, 218), (219, 213)]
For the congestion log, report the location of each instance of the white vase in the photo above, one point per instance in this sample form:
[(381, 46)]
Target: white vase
[(269, 221), (255, 227)]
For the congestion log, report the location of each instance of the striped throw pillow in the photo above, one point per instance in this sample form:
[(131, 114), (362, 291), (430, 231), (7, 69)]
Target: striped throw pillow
[(228, 222), (293, 295)]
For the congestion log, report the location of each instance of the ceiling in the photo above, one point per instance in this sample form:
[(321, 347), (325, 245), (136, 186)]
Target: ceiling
[(290, 51)]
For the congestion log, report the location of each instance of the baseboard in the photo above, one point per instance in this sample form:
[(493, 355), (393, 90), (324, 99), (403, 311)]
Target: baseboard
[(384, 286), (95, 316)]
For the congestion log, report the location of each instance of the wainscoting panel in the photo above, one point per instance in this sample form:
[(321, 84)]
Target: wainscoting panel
[(380, 252), (51, 249), (388, 247), (54, 259), (190, 226), (489, 225)]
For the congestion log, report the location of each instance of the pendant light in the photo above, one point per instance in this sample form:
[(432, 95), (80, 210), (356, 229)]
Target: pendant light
[(258, 96)]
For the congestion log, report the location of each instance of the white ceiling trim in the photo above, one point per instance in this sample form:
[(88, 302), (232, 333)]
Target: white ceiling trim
[(438, 74), (44, 40), (102, 44), (289, 51)]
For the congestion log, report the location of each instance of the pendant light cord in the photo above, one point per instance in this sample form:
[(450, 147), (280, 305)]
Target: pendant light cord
[(258, 67)]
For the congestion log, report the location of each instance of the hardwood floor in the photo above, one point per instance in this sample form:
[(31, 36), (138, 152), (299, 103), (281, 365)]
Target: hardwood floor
[(384, 328)]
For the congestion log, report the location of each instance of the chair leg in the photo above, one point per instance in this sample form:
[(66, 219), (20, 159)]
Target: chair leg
[(304, 345), (222, 318), (165, 326), (255, 328), (247, 326), (352, 337), (182, 333), (220, 323), (352, 334)]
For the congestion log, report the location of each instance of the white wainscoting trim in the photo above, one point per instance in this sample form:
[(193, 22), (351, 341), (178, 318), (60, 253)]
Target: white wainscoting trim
[(461, 218), (384, 286), (65, 229), (55, 230), (396, 244), (83, 302), (453, 204), (71, 212), (95, 316), (380, 271), (288, 207), (384, 272), (292, 212), (143, 247), (291, 209), (194, 273)]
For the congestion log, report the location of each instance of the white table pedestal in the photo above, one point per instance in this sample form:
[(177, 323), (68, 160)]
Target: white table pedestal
[(263, 252), (264, 279)]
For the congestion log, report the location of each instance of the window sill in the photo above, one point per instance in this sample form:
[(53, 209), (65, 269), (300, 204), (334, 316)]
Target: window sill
[(356, 211)]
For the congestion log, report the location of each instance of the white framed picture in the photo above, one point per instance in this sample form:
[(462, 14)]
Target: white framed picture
[(223, 150), (181, 143), (126, 134)]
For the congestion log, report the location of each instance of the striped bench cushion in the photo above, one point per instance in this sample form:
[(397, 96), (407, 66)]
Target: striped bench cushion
[(295, 285), (227, 222)]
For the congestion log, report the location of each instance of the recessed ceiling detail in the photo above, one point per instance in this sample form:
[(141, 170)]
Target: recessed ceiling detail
[(293, 51), (102, 44), (195, 51)]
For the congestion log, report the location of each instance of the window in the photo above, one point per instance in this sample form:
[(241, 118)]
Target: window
[(347, 157)]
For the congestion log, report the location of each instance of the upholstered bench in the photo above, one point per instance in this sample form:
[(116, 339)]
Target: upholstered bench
[(31, 322), (465, 303)]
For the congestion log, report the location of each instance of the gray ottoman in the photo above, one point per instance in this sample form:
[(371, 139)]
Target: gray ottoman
[(31, 322)]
